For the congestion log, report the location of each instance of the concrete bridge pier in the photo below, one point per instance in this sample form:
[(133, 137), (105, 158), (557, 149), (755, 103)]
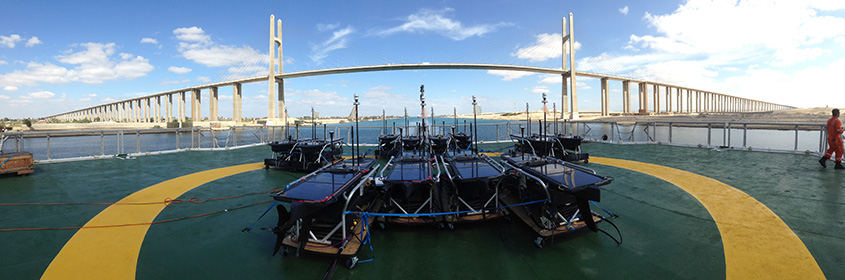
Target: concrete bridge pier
[(626, 97), (212, 104), (275, 39), (180, 107), (196, 100), (656, 102), (121, 111), (157, 117), (282, 117), (564, 97), (146, 103), (572, 76), (669, 100), (237, 95), (132, 113), (136, 110), (643, 89), (168, 108), (605, 98)]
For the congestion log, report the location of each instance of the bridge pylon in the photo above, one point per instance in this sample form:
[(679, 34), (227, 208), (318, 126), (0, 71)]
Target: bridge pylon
[(275, 45)]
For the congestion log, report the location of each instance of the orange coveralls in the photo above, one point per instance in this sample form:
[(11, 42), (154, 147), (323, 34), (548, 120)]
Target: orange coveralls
[(834, 141)]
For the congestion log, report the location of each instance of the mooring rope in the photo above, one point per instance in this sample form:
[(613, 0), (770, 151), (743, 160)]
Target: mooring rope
[(135, 224)]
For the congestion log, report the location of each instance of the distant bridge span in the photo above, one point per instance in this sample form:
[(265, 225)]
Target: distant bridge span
[(688, 99), (665, 98), (421, 66)]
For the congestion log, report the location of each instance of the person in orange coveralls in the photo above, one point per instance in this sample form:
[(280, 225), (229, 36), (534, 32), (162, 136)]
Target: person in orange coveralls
[(834, 141)]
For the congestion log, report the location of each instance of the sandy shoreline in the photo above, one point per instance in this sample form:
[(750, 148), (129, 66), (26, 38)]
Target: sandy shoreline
[(818, 115)]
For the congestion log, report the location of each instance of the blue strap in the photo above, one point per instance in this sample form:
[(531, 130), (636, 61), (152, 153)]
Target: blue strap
[(4, 162), (608, 212), (365, 220), (262, 216), (439, 213), (365, 226)]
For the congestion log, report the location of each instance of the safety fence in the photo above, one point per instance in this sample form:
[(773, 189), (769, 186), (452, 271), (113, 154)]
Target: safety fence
[(52, 146)]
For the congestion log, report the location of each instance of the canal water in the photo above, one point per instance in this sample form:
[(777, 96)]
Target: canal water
[(113, 142)]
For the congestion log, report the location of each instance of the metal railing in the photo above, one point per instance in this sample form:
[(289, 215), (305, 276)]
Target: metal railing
[(52, 146), (774, 137)]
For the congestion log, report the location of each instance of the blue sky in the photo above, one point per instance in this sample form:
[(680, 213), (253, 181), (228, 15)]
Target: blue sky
[(56, 56)]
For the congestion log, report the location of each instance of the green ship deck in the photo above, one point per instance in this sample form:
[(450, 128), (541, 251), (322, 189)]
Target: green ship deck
[(683, 213)]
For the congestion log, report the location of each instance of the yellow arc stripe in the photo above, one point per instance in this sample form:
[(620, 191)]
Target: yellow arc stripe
[(757, 243), (112, 253)]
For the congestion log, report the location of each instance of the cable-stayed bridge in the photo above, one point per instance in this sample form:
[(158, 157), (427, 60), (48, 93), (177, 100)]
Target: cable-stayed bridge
[(654, 97)]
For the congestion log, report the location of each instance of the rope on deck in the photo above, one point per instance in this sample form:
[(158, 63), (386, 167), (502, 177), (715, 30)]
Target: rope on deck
[(167, 202), (135, 224)]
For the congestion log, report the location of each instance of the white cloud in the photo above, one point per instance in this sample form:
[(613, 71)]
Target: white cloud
[(3, 62), (170, 82), (132, 68), (10, 41), (148, 40), (840, 40), (192, 34), (624, 10), (436, 21), (336, 42), (33, 41), (327, 27), (788, 57), (16, 102), (10, 88), (540, 89), (41, 94), (547, 46), (223, 55), (380, 97), (37, 73), (550, 79), (582, 85), (179, 70), (744, 29), (198, 47), (245, 70), (748, 35), (320, 100), (508, 75), (4, 97), (94, 65), (203, 79), (781, 86)]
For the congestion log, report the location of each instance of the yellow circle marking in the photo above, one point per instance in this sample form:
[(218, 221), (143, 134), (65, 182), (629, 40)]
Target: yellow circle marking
[(112, 253), (757, 243)]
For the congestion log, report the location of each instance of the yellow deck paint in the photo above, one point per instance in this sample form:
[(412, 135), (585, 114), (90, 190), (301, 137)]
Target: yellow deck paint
[(757, 243), (112, 253)]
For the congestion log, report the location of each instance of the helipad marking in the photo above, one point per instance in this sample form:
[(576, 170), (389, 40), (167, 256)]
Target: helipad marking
[(757, 243), (112, 253)]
